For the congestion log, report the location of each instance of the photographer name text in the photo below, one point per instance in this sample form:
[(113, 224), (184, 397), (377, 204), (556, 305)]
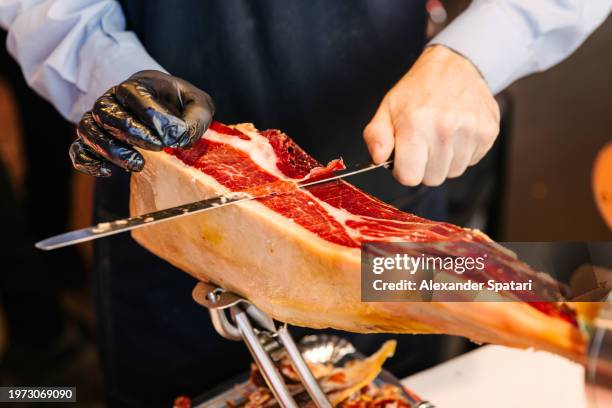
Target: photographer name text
[(452, 265)]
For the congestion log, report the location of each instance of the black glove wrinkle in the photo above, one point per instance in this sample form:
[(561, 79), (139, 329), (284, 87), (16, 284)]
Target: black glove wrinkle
[(157, 109), (108, 147), (114, 119), (150, 110), (86, 161)]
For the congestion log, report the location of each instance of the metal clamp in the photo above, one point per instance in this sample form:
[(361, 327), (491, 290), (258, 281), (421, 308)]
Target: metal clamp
[(251, 325)]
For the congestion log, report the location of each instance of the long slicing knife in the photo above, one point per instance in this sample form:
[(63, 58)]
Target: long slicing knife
[(105, 229)]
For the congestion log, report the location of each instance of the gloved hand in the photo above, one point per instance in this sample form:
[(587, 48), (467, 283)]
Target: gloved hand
[(150, 110)]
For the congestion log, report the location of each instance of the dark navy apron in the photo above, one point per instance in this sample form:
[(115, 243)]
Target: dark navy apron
[(316, 69)]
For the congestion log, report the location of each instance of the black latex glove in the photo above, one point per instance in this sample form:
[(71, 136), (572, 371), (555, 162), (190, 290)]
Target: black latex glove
[(150, 110)]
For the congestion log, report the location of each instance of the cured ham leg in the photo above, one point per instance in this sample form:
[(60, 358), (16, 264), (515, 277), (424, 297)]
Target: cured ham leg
[(296, 255)]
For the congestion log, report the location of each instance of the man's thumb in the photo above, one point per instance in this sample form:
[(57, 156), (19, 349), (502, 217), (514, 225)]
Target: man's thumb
[(378, 135)]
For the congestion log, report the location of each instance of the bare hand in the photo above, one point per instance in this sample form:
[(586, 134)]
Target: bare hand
[(439, 118)]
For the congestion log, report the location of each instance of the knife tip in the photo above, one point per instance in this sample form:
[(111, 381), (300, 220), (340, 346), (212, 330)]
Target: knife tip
[(41, 245)]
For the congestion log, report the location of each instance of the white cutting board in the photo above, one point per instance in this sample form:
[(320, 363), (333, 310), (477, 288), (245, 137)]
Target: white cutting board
[(501, 377)]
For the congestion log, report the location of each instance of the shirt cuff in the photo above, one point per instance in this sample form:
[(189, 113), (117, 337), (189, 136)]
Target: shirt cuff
[(115, 62), (494, 38)]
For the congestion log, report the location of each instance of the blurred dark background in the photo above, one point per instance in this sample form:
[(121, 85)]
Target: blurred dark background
[(535, 185), (46, 314)]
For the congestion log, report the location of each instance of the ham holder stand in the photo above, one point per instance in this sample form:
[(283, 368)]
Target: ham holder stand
[(235, 318)]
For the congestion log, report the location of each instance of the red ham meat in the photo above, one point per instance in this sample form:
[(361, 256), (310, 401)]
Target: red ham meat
[(296, 255)]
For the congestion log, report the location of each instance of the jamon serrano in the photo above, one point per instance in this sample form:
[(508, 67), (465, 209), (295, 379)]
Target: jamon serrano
[(296, 255)]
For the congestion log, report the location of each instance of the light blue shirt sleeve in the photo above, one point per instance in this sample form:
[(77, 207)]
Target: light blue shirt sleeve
[(509, 39), (72, 51)]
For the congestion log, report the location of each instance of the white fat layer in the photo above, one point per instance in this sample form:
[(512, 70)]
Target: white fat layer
[(343, 216), (219, 189), (340, 215), (258, 149)]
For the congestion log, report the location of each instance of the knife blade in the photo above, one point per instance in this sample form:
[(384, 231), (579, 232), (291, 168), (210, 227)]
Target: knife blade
[(105, 229)]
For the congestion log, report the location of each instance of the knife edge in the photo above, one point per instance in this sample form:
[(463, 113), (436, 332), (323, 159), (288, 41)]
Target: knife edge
[(108, 228)]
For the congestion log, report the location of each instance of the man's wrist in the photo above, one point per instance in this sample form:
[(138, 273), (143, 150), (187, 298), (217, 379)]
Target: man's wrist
[(493, 39), (448, 62), (448, 55)]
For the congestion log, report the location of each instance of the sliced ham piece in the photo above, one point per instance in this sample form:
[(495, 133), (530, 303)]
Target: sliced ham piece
[(296, 255)]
